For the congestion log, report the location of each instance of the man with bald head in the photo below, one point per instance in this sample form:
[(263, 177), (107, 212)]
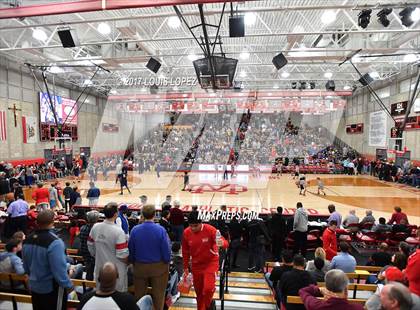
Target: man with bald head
[(44, 260), (107, 297)]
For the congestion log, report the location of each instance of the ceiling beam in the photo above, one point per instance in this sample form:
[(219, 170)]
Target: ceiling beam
[(58, 8)]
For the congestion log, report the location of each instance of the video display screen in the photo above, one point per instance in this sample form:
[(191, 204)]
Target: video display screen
[(64, 108)]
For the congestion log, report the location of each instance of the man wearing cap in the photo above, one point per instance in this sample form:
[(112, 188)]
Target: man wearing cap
[(392, 274), (201, 243)]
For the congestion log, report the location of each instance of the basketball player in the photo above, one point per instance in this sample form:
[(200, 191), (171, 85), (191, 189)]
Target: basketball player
[(123, 179), (302, 185), (279, 168), (297, 169), (320, 186)]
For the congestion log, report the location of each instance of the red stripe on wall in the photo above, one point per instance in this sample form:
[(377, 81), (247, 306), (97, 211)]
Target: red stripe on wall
[(25, 138)]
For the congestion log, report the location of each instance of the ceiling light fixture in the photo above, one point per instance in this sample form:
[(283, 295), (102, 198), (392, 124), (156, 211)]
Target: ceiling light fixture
[(275, 86), (364, 18), (242, 74), (383, 16), (285, 74), (87, 82), (244, 55), (250, 18), (328, 75), (415, 15), (104, 28), (346, 87), (113, 92), (192, 57), (374, 75), (56, 70), (174, 22), (39, 34), (410, 58), (328, 17)]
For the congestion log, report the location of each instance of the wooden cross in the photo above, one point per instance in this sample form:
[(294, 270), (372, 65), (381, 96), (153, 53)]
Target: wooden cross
[(14, 109)]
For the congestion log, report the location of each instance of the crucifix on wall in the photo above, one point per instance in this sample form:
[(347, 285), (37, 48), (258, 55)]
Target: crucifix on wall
[(14, 109)]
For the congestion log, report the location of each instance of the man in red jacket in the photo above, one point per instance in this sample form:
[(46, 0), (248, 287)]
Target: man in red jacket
[(329, 240), (397, 216), (201, 245), (41, 196)]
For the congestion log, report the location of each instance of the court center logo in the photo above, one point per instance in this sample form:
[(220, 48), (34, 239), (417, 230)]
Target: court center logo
[(230, 189)]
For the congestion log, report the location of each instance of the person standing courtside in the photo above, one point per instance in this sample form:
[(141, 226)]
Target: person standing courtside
[(44, 260), (177, 221), (150, 252), (18, 212), (107, 242), (278, 232), (300, 228)]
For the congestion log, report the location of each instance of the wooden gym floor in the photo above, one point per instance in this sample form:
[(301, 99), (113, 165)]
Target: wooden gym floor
[(264, 192)]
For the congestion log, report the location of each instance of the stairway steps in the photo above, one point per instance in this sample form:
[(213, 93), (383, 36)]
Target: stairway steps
[(238, 297), (247, 284), (190, 303)]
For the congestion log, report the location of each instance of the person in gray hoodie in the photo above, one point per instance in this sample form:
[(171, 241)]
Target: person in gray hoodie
[(300, 229)]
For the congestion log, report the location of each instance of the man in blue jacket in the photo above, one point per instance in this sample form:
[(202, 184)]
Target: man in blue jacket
[(44, 260)]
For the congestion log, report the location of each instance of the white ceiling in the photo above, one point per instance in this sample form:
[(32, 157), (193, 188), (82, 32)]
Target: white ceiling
[(139, 33)]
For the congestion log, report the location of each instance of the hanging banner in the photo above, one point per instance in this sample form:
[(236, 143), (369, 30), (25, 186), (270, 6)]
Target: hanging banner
[(30, 131), (377, 129), (106, 127)]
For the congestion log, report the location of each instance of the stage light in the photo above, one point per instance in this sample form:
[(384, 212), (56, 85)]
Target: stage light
[(174, 22), (285, 74), (312, 85), (302, 85), (374, 75), (383, 17), (294, 85), (104, 28), (330, 85), (39, 34), (328, 17), (250, 18), (328, 75), (409, 16), (364, 18)]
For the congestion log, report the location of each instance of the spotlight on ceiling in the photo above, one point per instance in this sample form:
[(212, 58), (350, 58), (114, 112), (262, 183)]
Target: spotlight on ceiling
[(250, 18), (383, 16), (294, 85), (244, 55), (153, 65), (328, 75), (364, 18), (328, 17), (285, 74), (312, 85), (39, 34), (409, 16), (174, 22), (330, 85), (347, 87), (104, 28)]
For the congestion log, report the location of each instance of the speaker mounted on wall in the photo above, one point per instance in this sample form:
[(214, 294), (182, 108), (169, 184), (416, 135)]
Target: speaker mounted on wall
[(153, 65), (279, 61), (237, 26), (68, 37)]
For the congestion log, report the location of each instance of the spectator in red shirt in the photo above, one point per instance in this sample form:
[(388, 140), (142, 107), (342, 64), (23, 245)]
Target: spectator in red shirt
[(74, 231), (412, 272), (397, 216), (32, 215), (41, 196), (200, 243), (176, 219), (329, 240)]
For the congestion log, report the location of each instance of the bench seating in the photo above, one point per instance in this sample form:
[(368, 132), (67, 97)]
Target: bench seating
[(298, 300), (372, 269), (27, 299)]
